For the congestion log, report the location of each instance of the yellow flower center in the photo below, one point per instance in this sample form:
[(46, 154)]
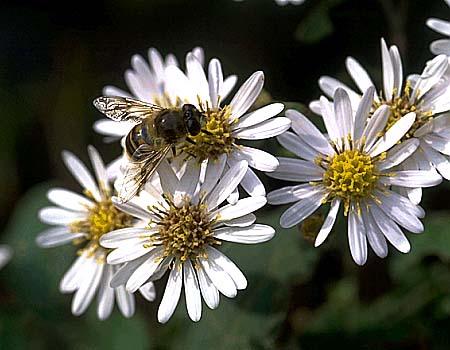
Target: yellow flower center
[(184, 231), (400, 106), (215, 138), (104, 217), (350, 175)]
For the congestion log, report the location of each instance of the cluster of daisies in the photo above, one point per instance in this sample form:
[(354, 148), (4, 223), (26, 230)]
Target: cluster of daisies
[(377, 152)]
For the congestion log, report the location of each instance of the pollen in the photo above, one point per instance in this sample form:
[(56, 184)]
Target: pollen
[(215, 137), (102, 218), (402, 105), (185, 231), (350, 175)]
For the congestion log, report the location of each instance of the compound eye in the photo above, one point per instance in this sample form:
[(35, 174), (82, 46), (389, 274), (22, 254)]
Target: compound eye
[(193, 126)]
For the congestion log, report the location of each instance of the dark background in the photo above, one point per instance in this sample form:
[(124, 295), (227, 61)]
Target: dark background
[(56, 57)]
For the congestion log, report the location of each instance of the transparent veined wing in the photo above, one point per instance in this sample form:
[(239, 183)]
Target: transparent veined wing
[(125, 108), (139, 169)]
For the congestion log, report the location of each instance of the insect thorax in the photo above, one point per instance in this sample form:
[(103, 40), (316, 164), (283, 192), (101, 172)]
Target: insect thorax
[(170, 125)]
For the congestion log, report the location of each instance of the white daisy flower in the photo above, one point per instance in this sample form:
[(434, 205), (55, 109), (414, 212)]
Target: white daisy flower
[(5, 254), (352, 169), (83, 220), (147, 82), (186, 225), (441, 46), (227, 124), (426, 95)]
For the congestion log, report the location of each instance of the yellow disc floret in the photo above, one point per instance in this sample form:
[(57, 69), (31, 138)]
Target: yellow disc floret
[(103, 217), (350, 175), (215, 138), (184, 231), (401, 105)]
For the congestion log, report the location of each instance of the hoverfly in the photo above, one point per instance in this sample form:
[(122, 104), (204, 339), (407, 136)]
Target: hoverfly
[(157, 131)]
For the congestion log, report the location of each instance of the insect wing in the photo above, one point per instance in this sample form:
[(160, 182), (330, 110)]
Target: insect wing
[(125, 108), (144, 162)]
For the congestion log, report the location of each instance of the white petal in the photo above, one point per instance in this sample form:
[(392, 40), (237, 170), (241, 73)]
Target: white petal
[(148, 291), (256, 158), (209, 291), (197, 77), (192, 292), (99, 168), (105, 294), (393, 135), (221, 279), (343, 112), (302, 209), (127, 253), (71, 278), (328, 223), (124, 271), (267, 129), (248, 235), (133, 210), (403, 202), (430, 76), (128, 235), (252, 184), (440, 162), (88, 287), (125, 301), (375, 126), (330, 85), (439, 25), (398, 69), (296, 145), (171, 294), (289, 194), (413, 178), (243, 221), (179, 85), (388, 71), (374, 235), (58, 216), (329, 119), (258, 116), (111, 128), (228, 266), (214, 170), (69, 200), (438, 143), (81, 174), (400, 215), (358, 74), (168, 179), (246, 95), (188, 182), (227, 184), (390, 229), (357, 236), (297, 170), (242, 207), (110, 90), (441, 46), (215, 80), (228, 85), (145, 270), (56, 236), (308, 132), (398, 154), (362, 112)]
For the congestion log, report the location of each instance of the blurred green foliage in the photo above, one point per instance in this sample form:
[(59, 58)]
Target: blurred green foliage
[(53, 61)]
